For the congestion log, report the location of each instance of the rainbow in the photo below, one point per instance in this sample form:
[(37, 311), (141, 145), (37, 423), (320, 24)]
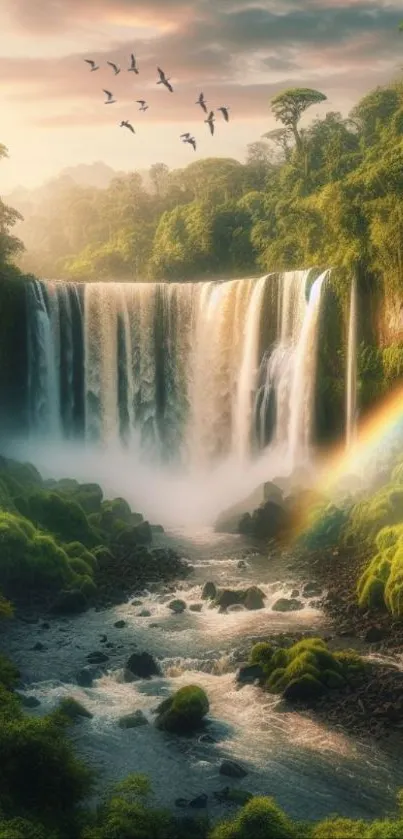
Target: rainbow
[(379, 437)]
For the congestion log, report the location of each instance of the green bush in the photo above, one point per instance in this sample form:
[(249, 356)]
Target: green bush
[(380, 586), (366, 519), (126, 815), (29, 558), (184, 711), (39, 773), (25, 829), (307, 669), (61, 516), (261, 818), (9, 673)]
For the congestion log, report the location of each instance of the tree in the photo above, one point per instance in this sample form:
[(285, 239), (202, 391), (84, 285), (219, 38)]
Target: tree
[(9, 245), (289, 106)]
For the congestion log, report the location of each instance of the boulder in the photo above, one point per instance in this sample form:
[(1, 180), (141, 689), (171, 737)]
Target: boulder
[(272, 492), (177, 606), (196, 607), (133, 720), (248, 673), (245, 525), (119, 624), (143, 665), (268, 521), (97, 657), (69, 602), (145, 613), (184, 711), (73, 709), (157, 528), (254, 598), (28, 701), (209, 591), (229, 597), (232, 769), (85, 677), (286, 605), (304, 689)]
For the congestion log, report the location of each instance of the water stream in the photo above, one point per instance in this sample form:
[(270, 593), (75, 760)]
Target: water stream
[(311, 770)]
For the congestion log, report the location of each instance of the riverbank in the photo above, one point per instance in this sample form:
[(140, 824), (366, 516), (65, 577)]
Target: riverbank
[(311, 767)]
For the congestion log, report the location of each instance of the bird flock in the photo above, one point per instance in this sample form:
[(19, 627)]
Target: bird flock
[(163, 80)]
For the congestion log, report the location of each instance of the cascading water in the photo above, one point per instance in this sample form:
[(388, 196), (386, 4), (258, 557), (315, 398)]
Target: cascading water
[(215, 380), (351, 392)]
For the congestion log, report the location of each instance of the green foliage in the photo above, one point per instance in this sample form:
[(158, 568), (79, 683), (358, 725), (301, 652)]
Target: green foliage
[(9, 673), (62, 516), (125, 815), (261, 818), (307, 669), (72, 709), (184, 711), (381, 583)]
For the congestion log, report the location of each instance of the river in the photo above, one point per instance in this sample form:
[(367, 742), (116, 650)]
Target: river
[(311, 770)]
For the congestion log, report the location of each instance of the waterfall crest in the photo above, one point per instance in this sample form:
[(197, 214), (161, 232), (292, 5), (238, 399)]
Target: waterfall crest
[(194, 373)]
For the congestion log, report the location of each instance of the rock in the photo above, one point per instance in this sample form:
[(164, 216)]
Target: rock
[(374, 634), (285, 605), (267, 522), (254, 598), (196, 607), (209, 591), (145, 613), (245, 524), (133, 720), (181, 802), (119, 624), (73, 710), (272, 492), (237, 607), (28, 701), (128, 676), (97, 658), (177, 606), (143, 665), (199, 803), (157, 528), (110, 645), (294, 594), (233, 796), (184, 711), (311, 590), (136, 603), (241, 564), (229, 597), (207, 738), (85, 677), (70, 602), (232, 769), (103, 639), (39, 647), (248, 673), (303, 689)]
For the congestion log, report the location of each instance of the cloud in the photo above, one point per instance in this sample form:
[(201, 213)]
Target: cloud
[(239, 52)]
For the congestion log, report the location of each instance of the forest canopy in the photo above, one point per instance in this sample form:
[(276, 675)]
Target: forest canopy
[(329, 194)]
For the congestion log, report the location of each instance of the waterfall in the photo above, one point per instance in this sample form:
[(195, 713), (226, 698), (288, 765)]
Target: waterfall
[(193, 373), (351, 392)]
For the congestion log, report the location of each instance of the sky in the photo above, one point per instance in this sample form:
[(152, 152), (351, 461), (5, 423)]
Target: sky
[(238, 52)]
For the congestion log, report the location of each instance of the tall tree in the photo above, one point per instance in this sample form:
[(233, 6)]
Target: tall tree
[(289, 106)]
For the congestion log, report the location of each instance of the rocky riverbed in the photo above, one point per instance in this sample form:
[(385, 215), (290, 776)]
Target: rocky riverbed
[(309, 765)]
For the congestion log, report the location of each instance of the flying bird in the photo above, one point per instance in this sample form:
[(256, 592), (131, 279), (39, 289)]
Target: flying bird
[(110, 100), (224, 112), (202, 103), (185, 136), (143, 104), (126, 124), (93, 65), (191, 141), (133, 65), (163, 80), (210, 122), (115, 67)]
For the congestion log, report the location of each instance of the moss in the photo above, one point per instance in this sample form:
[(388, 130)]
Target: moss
[(9, 673), (261, 653), (260, 818), (62, 516), (308, 668), (74, 710), (76, 549), (184, 711), (87, 586), (29, 558), (80, 567)]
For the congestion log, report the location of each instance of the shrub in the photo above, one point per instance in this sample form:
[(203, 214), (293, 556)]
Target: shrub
[(184, 711), (9, 673), (125, 815), (261, 818), (307, 669), (25, 829), (61, 516)]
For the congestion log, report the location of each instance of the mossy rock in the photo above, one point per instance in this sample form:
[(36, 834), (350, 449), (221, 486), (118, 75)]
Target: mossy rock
[(183, 712), (74, 710), (304, 689), (261, 653)]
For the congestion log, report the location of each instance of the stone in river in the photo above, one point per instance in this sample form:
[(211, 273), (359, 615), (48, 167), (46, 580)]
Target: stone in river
[(232, 769)]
